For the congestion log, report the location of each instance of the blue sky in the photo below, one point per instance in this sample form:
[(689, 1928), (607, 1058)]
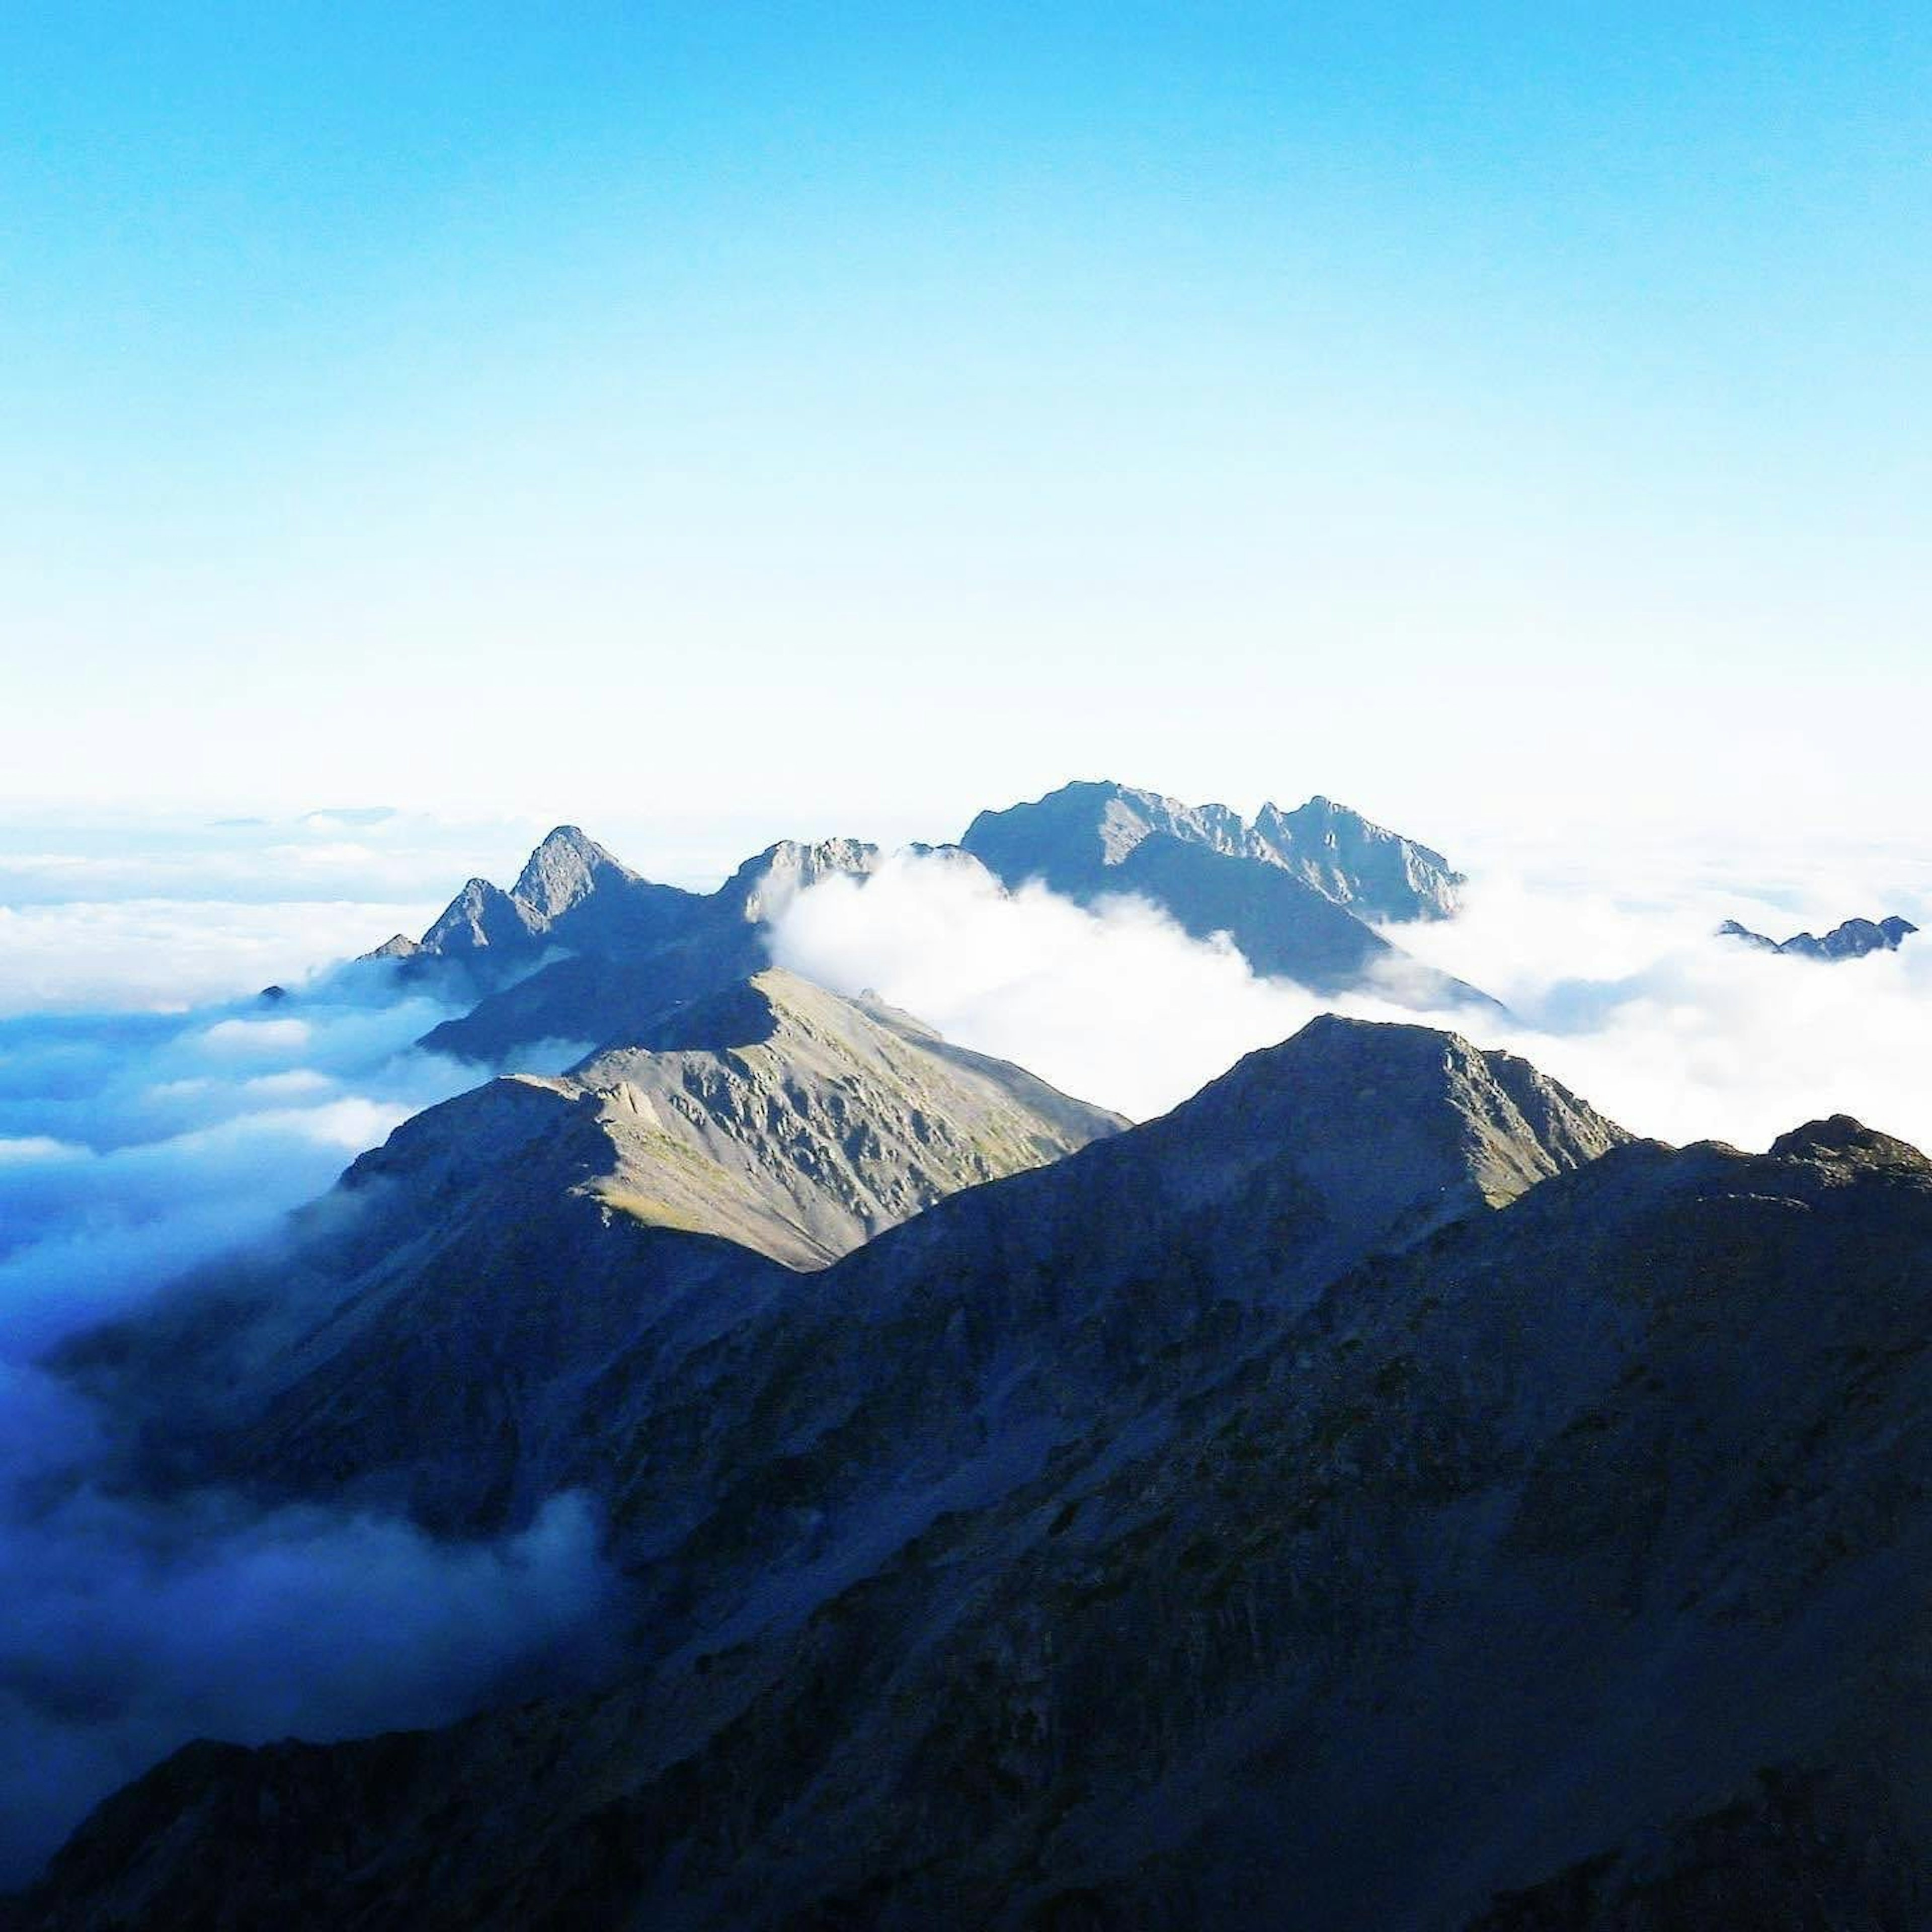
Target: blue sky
[(865, 413)]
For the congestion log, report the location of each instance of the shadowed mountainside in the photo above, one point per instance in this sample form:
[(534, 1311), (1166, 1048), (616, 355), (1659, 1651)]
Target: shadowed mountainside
[(952, 1558)]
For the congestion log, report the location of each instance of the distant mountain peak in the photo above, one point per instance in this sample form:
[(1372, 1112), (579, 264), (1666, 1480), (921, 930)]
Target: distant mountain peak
[(1854, 939), (563, 870), (480, 916), (1071, 836), (768, 881), (1389, 864), (582, 949)]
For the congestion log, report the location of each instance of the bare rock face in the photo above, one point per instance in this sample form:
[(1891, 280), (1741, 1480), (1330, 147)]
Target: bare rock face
[(785, 1118), (1071, 837), (1363, 866), (1293, 890), (563, 871), (481, 917), (1853, 940)]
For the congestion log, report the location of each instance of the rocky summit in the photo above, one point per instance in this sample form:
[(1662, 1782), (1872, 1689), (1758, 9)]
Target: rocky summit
[(604, 976), (1073, 838)]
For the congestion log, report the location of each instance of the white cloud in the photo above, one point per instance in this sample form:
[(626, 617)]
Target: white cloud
[(38, 1147), (133, 1627), (255, 1036), (1635, 1003), (157, 954), (1630, 999), (1117, 1005)]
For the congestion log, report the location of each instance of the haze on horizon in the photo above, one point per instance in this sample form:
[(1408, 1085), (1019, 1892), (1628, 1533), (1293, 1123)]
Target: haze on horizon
[(1511, 416)]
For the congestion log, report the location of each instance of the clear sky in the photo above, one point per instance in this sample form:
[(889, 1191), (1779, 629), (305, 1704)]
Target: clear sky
[(870, 411)]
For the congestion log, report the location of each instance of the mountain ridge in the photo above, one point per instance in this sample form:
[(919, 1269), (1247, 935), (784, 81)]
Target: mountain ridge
[(755, 1134), (1853, 939), (799, 1438), (582, 950), (1071, 836), (1552, 1534)]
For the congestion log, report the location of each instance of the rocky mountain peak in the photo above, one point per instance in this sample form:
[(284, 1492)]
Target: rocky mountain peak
[(480, 916), (765, 884), (1072, 837), (1839, 1139), (1358, 863), (564, 870), (1398, 1113), (771, 1112), (1854, 939)]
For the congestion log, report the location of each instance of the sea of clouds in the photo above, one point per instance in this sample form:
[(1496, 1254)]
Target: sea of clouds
[(1626, 996), (156, 1113)]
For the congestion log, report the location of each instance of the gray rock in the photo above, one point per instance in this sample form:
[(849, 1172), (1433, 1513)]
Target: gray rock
[(1359, 864), (1293, 890)]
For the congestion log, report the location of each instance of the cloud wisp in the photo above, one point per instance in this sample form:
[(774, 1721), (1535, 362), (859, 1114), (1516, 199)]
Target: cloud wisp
[(134, 1628), (132, 1146)]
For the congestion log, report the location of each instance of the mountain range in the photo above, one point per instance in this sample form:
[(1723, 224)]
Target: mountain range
[(1380, 1493), (1853, 940), (584, 951)]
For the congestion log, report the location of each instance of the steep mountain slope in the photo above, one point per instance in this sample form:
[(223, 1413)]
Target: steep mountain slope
[(938, 1557), (775, 1114), (430, 1336), (1853, 940), (1292, 890), (1561, 1570), (1372, 870), (1283, 928)]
